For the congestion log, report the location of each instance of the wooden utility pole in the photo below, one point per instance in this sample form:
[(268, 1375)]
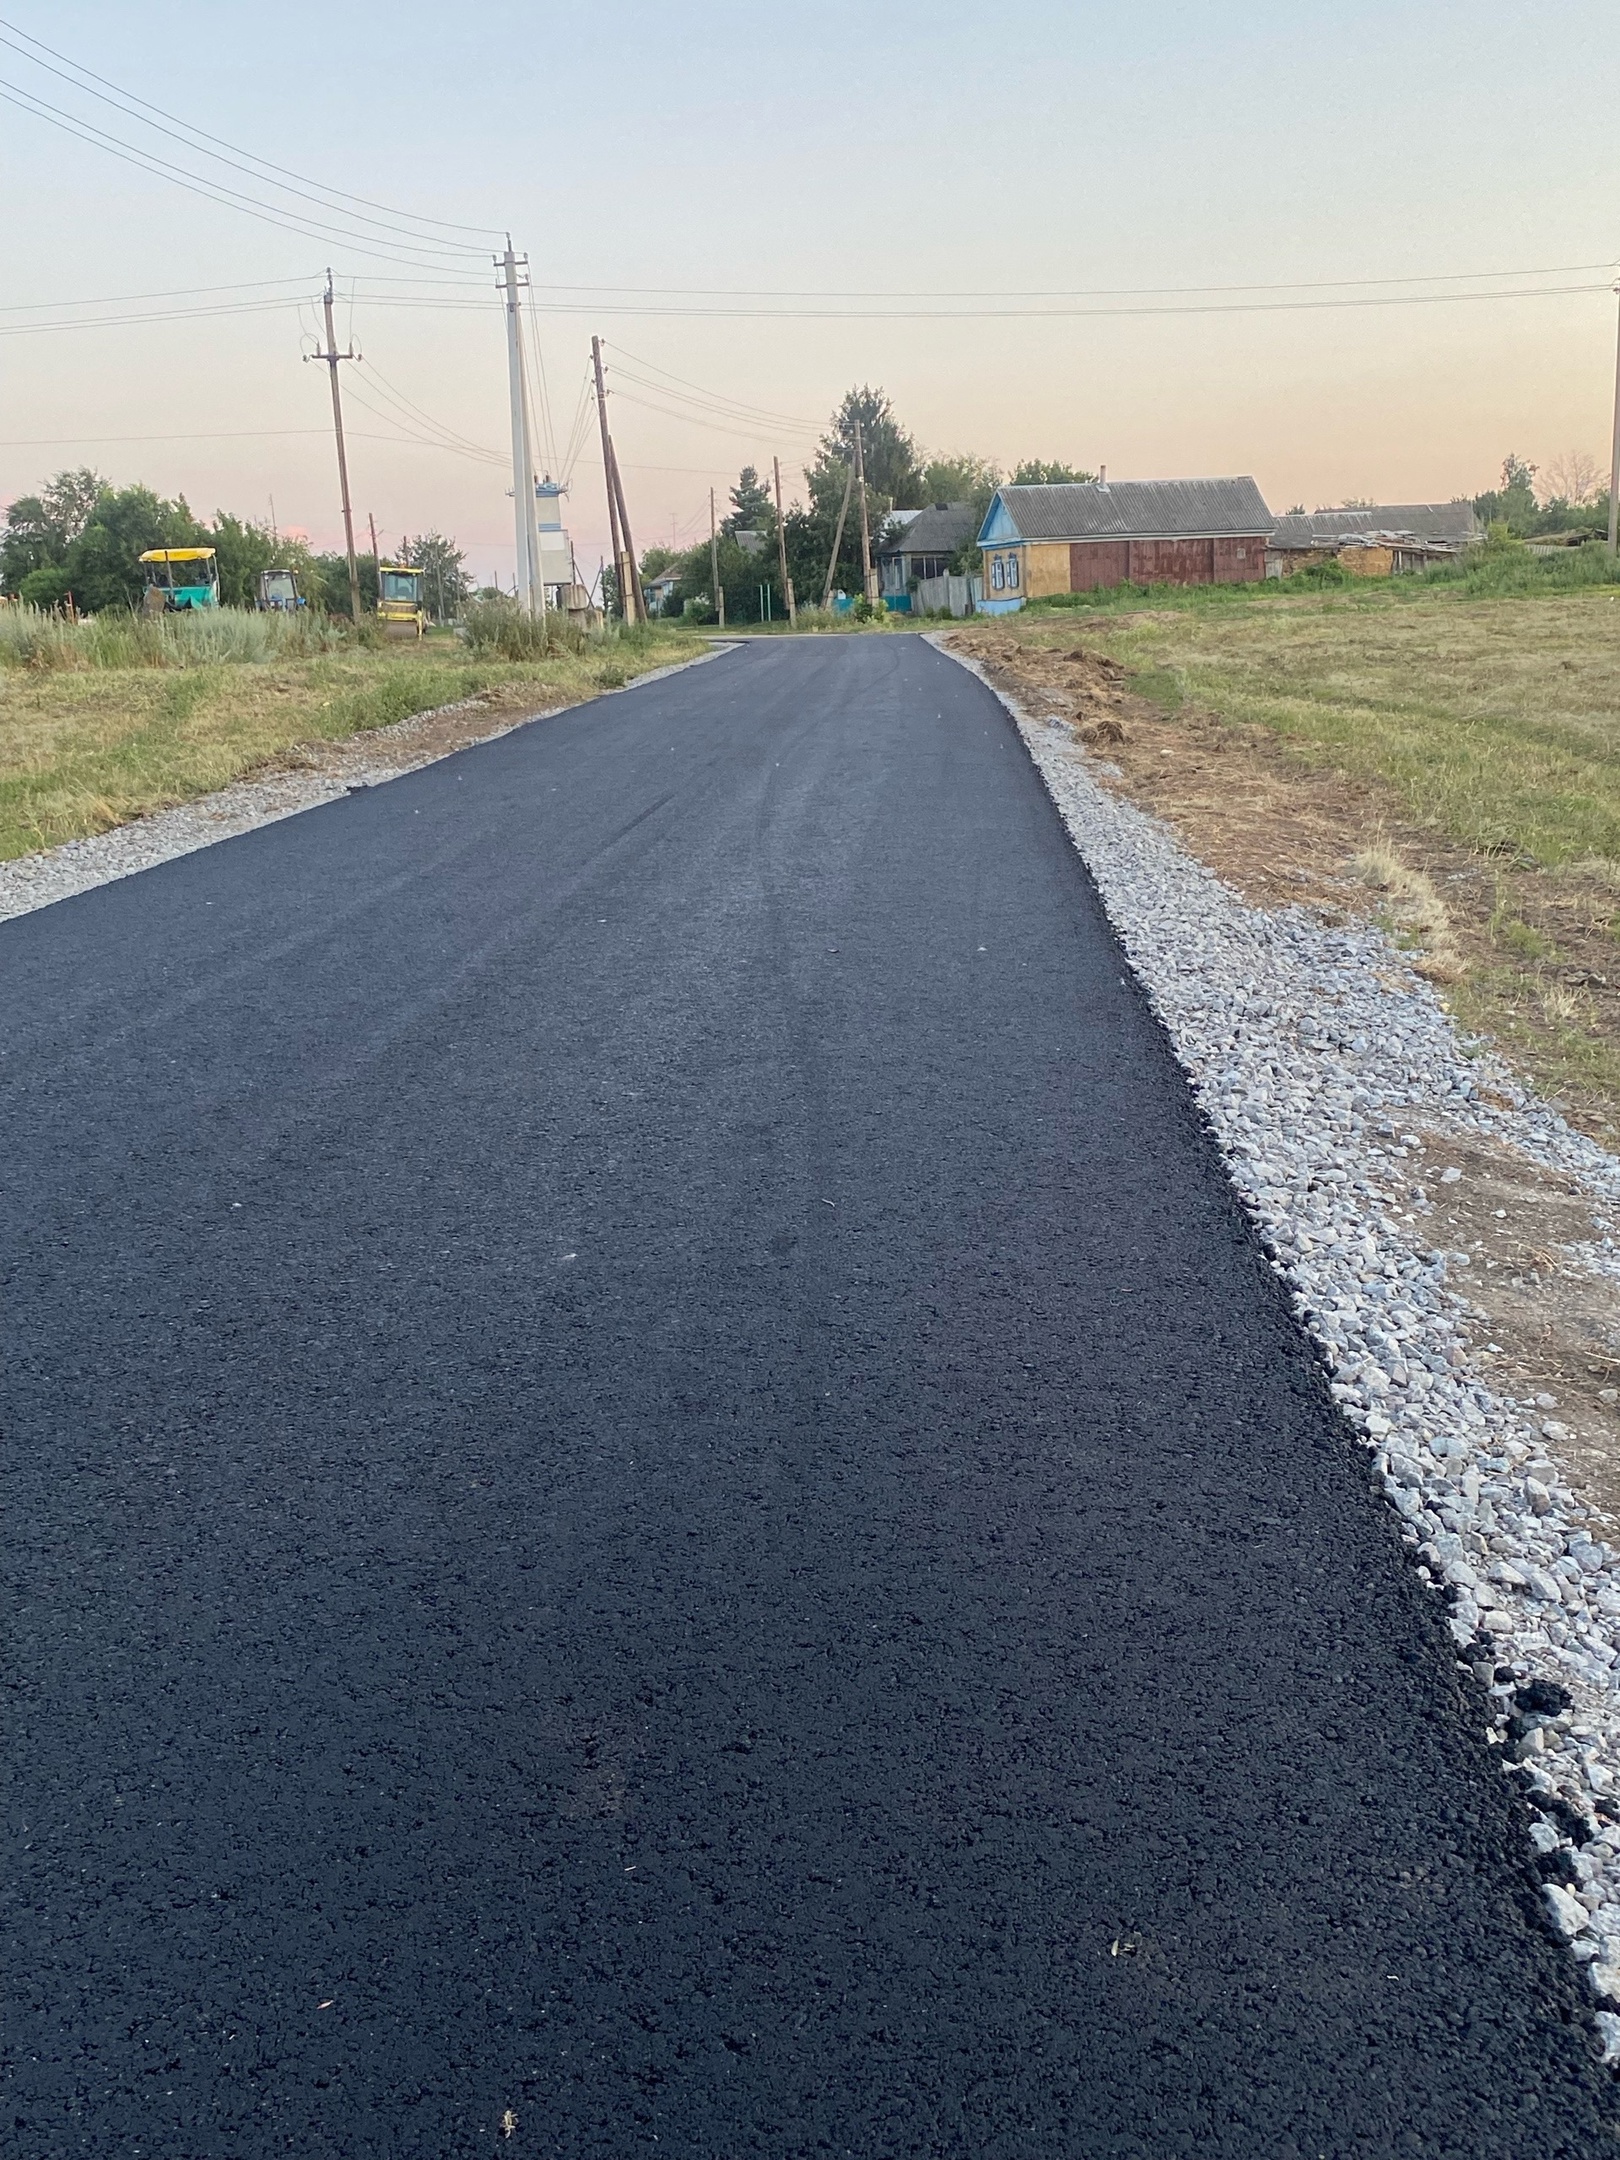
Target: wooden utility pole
[(866, 529), (638, 598), (1614, 454), (376, 559), (714, 566), (838, 538), (332, 356), (607, 480), (781, 548)]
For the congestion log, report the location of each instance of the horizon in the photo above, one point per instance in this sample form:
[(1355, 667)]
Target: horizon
[(1300, 165)]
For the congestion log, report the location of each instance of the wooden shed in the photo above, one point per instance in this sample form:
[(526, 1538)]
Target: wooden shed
[(1074, 538)]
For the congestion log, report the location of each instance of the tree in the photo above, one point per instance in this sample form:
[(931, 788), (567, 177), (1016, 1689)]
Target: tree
[(243, 549), (751, 507), (893, 472), (444, 577), (330, 586), (1043, 472), (962, 478), (1573, 478), (1513, 503), (89, 537)]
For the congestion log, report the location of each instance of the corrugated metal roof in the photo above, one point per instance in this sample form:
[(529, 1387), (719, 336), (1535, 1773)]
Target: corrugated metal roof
[(1138, 510), (1453, 521), (938, 530)]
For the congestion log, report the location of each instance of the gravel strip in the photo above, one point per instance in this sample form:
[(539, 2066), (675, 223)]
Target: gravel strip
[(366, 760), (1310, 1050)]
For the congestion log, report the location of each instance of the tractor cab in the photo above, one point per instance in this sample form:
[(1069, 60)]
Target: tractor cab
[(399, 600), (179, 578), (279, 594)]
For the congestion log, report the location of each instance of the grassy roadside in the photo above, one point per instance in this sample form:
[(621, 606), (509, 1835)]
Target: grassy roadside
[(1445, 757), (87, 747)]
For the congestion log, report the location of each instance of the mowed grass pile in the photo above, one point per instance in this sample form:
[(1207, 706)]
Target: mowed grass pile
[(105, 721), (1496, 719)]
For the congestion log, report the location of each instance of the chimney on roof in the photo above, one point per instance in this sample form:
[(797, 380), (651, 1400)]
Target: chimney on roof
[(1102, 475)]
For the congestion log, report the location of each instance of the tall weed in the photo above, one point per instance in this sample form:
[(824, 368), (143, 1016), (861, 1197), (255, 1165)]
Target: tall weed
[(31, 638)]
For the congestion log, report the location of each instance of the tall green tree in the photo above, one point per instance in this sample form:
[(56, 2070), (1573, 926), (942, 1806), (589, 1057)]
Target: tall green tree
[(1048, 472), (894, 479), (751, 506), (1513, 502)]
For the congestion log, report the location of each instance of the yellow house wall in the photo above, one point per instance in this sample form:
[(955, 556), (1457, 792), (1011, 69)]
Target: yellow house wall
[(1046, 568), (1043, 568)]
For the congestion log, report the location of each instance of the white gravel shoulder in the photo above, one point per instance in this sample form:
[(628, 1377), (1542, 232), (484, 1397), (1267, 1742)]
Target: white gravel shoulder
[(1310, 1049), (365, 760)]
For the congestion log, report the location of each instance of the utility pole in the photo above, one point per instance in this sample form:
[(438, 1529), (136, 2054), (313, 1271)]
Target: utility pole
[(781, 549), (838, 538), (522, 464), (332, 356), (866, 529), (1614, 455), (639, 607), (531, 520), (376, 559), (607, 482), (714, 566)]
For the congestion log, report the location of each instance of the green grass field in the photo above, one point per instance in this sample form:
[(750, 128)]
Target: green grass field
[(104, 722)]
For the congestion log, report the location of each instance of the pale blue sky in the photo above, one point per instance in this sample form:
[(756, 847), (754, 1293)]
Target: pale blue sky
[(1026, 146)]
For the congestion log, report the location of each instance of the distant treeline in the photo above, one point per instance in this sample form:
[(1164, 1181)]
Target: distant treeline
[(81, 539)]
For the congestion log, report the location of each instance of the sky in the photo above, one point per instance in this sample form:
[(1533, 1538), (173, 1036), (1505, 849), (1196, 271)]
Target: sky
[(664, 169)]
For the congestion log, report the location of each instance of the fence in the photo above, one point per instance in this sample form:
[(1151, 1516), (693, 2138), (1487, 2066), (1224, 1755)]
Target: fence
[(948, 595)]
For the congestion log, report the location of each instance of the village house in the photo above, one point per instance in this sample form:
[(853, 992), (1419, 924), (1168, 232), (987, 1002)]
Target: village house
[(1377, 540), (917, 547), (1080, 536)]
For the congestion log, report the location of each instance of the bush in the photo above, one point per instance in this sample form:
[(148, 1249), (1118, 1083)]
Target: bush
[(502, 630)]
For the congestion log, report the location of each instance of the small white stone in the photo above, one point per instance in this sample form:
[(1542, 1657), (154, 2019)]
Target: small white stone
[(1569, 1914)]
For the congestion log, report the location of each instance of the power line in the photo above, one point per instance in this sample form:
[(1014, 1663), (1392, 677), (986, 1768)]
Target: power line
[(713, 398), (120, 322), (409, 254), (110, 93), (1098, 292), (1066, 314)]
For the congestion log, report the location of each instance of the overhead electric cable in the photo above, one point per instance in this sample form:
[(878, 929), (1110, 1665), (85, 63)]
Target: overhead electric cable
[(408, 254), (453, 439), (126, 101), (1082, 292), (1065, 314), (759, 412), (181, 292)]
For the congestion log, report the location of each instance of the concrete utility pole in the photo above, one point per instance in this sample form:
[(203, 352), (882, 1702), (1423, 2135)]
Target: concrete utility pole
[(714, 566), (781, 549), (838, 538), (522, 463), (866, 529), (531, 519), (1614, 454), (332, 356)]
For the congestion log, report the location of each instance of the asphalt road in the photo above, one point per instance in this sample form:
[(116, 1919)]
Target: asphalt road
[(652, 1482)]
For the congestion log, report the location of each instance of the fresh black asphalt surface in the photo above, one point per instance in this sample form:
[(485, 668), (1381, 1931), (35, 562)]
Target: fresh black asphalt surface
[(654, 1488)]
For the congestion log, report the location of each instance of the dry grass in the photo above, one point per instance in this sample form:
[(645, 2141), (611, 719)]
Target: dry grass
[(1447, 762), (85, 748)]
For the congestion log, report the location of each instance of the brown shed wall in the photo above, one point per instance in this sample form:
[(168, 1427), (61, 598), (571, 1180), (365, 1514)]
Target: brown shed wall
[(1095, 563)]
